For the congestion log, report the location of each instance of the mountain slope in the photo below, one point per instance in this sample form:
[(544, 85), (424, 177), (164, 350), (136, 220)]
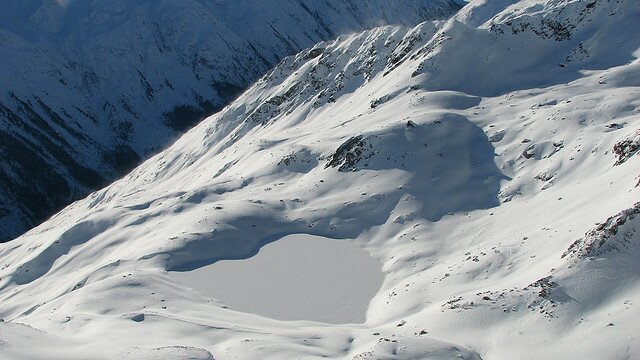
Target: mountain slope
[(501, 200), (89, 88)]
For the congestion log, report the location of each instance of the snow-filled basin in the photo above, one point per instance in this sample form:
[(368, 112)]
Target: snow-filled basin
[(298, 277)]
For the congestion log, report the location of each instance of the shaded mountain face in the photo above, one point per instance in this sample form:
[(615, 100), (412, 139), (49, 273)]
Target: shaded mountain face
[(489, 162), (89, 88)]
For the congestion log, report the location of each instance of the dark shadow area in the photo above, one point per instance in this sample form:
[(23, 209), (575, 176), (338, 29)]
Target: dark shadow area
[(450, 159)]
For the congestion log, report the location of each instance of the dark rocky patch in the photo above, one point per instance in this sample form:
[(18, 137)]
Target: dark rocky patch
[(625, 149), (184, 117), (122, 158), (611, 235), (349, 154)]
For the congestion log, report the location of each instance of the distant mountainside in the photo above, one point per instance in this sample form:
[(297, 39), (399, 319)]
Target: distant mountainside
[(89, 88), (489, 162)]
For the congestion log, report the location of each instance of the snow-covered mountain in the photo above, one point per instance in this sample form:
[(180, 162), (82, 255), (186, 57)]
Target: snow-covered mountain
[(89, 88), (489, 162)]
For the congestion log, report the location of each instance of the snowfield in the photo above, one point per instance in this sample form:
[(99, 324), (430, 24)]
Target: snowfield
[(488, 163)]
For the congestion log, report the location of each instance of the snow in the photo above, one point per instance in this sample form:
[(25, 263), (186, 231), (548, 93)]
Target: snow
[(91, 88), (296, 277), (468, 193)]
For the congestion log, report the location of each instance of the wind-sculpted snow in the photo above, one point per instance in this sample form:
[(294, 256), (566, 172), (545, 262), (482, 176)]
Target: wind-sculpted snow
[(520, 42), (450, 176), (90, 88), (468, 193)]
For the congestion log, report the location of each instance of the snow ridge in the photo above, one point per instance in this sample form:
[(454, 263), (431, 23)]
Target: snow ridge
[(90, 88)]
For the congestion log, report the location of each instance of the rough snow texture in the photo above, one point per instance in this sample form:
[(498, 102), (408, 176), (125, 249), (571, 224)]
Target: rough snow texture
[(618, 234), (91, 87), (489, 150)]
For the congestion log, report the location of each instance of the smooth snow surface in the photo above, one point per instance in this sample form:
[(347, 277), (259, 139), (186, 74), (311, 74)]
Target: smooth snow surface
[(298, 277)]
